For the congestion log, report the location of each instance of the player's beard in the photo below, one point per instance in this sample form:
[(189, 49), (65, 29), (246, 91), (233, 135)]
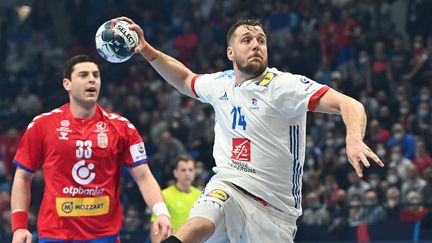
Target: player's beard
[(252, 68)]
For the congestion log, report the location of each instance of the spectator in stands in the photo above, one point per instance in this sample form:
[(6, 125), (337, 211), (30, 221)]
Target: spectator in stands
[(392, 205), (315, 212), (405, 140), (399, 162), (414, 210), (422, 157), (427, 190), (413, 182), (357, 186), (355, 210), (372, 211)]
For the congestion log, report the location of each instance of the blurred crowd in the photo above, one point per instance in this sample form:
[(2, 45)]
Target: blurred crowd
[(377, 51)]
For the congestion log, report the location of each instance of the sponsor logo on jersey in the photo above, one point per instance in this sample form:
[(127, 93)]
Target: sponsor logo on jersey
[(224, 96), (101, 127), (307, 81), (64, 130), (71, 190), (138, 152), (254, 104), (84, 206), (241, 149), (267, 78), (243, 167), (102, 139), (219, 194), (81, 173), (65, 123)]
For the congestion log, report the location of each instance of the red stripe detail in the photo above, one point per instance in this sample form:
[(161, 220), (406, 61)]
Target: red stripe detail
[(363, 234), (316, 96), (19, 220), (193, 84)]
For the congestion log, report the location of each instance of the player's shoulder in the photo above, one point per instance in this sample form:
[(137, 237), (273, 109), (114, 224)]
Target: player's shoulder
[(48, 117), (115, 119), (273, 77), (227, 75), (276, 79)]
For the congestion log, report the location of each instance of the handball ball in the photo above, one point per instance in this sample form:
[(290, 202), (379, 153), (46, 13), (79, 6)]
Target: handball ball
[(115, 42)]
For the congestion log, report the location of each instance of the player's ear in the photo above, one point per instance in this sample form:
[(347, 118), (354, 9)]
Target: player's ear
[(230, 53), (67, 84)]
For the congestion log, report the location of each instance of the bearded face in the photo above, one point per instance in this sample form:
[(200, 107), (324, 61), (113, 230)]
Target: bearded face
[(248, 50)]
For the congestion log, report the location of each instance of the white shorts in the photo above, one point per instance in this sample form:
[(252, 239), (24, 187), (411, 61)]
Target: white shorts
[(240, 218)]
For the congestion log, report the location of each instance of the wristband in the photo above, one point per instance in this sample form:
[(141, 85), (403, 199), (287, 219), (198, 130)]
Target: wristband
[(19, 220), (160, 208)]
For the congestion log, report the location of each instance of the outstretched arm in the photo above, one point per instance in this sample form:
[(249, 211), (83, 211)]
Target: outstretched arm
[(354, 117), (173, 71)]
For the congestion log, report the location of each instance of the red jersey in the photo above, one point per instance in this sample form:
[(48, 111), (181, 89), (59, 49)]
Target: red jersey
[(81, 161)]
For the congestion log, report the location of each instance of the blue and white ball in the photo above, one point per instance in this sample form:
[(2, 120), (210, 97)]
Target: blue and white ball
[(115, 42)]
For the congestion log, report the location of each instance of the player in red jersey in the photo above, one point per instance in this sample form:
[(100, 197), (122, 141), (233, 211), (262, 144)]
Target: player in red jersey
[(81, 148)]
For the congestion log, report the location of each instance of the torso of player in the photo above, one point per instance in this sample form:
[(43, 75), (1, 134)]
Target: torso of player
[(81, 162), (259, 139)]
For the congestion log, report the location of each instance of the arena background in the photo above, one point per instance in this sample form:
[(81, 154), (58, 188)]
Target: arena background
[(378, 51)]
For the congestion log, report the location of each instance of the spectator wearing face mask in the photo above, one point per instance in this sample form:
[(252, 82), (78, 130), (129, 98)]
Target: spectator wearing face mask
[(392, 204), (405, 140), (399, 162), (427, 190), (414, 210), (372, 212), (374, 181), (392, 179), (422, 157), (357, 186), (413, 182), (315, 213)]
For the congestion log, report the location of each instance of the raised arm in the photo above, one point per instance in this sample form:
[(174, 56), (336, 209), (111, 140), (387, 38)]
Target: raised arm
[(173, 71), (20, 203), (354, 117)]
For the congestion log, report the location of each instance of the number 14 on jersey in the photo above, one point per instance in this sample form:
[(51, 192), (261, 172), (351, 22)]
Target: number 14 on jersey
[(237, 118)]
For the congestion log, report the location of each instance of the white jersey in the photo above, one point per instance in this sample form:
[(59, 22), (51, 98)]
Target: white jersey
[(260, 132)]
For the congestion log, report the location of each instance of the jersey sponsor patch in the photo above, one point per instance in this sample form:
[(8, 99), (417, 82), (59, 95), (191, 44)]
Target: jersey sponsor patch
[(102, 140), (84, 206), (265, 81), (138, 152), (219, 194), (241, 149)]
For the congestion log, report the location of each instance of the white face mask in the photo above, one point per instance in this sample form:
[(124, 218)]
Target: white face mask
[(398, 136), (392, 179), (374, 183), (403, 111), (343, 159), (391, 202), (381, 152), (395, 157)]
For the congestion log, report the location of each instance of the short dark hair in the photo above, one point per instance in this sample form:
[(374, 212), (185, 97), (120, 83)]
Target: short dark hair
[(243, 22), (71, 62), (184, 158)]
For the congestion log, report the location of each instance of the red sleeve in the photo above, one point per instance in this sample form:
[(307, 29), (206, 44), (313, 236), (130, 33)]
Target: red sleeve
[(29, 154), (134, 151), (193, 85), (316, 96)]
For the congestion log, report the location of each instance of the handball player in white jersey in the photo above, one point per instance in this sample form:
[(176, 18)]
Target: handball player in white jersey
[(259, 145)]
